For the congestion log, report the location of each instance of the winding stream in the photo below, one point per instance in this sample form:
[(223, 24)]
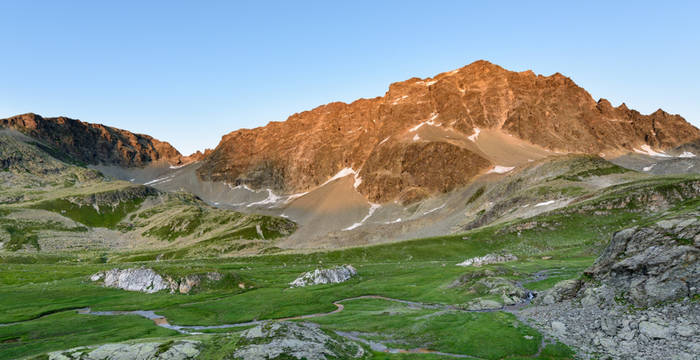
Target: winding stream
[(374, 345), (162, 321)]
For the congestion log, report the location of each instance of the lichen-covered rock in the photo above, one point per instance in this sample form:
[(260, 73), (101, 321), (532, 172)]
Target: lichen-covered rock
[(148, 281), (178, 350), (140, 279), (656, 269), (277, 340), (488, 259), (565, 289), (334, 275), (651, 265)]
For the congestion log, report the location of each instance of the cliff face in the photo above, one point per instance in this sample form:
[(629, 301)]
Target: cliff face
[(418, 138), (94, 143)]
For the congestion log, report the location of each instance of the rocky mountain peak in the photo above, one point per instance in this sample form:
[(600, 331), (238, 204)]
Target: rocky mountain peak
[(94, 143), (431, 135)]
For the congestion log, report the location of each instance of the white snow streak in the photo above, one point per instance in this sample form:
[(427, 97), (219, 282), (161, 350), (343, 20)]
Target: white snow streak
[(475, 135), (271, 199), (498, 169), (686, 154), (372, 209), (648, 168), (550, 202), (416, 137), (383, 141), (155, 181), (434, 210), (647, 150)]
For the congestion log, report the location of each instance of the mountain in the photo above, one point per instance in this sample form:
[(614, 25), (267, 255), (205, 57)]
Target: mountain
[(94, 143), (426, 136)]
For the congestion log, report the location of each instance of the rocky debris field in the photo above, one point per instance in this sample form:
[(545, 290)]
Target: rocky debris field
[(148, 281), (334, 275), (638, 301), (272, 340), (488, 259), (172, 350)]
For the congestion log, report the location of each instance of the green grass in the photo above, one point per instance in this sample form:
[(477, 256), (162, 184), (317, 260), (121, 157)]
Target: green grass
[(105, 215), (69, 329), (492, 335)]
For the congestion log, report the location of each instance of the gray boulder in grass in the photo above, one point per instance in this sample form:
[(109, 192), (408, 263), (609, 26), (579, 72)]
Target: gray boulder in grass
[(334, 275)]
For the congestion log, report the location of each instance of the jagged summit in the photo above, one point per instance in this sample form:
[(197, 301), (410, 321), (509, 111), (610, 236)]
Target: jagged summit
[(430, 135)]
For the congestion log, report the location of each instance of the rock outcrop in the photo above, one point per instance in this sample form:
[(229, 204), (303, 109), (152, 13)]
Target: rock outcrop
[(488, 259), (272, 340), (148, 281), (94, 143), (419, 138), (173, 350), (334, 275), (639, 299)]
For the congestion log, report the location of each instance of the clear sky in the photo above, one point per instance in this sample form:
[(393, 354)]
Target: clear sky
[(189, 72)]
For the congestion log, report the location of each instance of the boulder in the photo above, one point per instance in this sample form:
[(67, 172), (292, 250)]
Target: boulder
[(488, 259), (651, 265), (178, 350), (334, 275), (271, 340), (141, 279), (148, 281)]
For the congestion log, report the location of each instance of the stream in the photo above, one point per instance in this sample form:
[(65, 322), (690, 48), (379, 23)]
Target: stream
[(374, 345)]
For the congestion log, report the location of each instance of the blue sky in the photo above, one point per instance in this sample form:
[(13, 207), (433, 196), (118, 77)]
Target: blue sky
[(189, 72)]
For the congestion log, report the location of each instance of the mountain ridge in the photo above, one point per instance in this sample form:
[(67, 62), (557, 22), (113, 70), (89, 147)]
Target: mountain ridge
[(545, 114)]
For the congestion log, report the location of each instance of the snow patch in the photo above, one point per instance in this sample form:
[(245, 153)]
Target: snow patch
[(498, 169), (416, 137), (294, 196), (550, 202), (475, 135), (686, 154), (271, 199), (394, 222), (358, 181), (647, 150), (434, 210), (430, 82), (345, 172), (648, 168), (161, 180), (372, 209), (177, 166)]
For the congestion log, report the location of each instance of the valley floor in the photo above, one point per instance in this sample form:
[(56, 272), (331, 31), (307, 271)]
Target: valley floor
[(409, 300)]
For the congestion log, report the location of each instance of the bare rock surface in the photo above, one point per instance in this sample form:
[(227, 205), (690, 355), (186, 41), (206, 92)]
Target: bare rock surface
[(334, 275), (431, 135), (148, 281), (293, 340), (488, 259), (639, 299), (178, 350)]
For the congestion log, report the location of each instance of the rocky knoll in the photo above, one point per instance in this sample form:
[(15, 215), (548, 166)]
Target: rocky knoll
[(177, 350), (639, 299), (276, 340), (419, 137), (334, 275), (148, 281), (94, 143)]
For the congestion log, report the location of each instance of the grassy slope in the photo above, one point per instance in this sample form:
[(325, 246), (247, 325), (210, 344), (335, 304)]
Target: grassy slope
[(414, 270)]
